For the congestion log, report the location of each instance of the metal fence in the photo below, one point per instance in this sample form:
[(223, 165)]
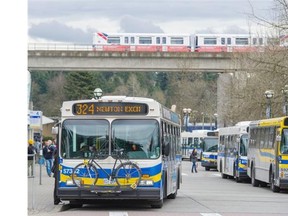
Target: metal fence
[(60, 47)]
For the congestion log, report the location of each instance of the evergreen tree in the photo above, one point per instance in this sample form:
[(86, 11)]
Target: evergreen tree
[(79, 85)]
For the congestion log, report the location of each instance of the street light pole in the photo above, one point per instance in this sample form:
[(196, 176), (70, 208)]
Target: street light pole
[(215, 117), (285, 96), (269, 95), (186, 112)]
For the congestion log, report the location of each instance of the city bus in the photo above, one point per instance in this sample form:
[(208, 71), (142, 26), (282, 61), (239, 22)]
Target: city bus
[(210, 150), (232, 151), (268, 153), (191, 140), (147, 132)]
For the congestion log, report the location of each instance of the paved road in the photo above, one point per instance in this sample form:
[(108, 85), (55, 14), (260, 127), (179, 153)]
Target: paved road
[(201, 194)]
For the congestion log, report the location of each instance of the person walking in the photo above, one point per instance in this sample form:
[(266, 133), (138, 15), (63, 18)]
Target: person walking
[(193, 157), (31, 155), (48, 152)]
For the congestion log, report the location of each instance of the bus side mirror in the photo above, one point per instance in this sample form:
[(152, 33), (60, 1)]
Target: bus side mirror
[(166, 148), (55, 130)]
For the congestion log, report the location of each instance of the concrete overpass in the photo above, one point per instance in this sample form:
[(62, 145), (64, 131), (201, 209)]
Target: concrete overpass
[(84, 59), (87, 60)]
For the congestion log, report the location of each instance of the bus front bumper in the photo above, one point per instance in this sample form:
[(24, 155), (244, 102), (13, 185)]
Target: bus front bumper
[(79, 194), (210, 164)]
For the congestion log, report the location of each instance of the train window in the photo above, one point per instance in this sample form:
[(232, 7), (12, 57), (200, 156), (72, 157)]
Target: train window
[(177, 40), (223, 42), (126, 40), (229, 41), (241, 41), (145, 40), (254, 41), (260, 41), (158, 40), (113, 40), (210, 41), (132, 39), (164, 40)]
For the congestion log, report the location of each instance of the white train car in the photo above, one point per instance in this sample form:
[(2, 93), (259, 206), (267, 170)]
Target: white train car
[(142, 42), (228, 43)]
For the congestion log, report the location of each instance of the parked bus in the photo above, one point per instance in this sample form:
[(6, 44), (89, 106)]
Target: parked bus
[(232, 151), (191, 140), (148, 132), (268, 153), (210, 150)]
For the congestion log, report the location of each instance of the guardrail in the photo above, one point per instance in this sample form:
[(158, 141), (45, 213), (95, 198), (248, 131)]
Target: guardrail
[(60, 47)]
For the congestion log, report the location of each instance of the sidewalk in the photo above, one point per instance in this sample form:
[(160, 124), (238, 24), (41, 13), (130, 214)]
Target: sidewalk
[(40, 196)]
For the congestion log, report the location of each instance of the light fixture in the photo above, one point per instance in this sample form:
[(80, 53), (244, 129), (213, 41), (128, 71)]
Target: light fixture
[(98, 93), (269, 94)]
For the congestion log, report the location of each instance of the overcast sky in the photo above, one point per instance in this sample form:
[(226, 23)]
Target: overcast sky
[(74, 21)]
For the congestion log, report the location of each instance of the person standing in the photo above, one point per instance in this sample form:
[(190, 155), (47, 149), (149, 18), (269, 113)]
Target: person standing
[(31, 155), (48, 152), (194, 160)]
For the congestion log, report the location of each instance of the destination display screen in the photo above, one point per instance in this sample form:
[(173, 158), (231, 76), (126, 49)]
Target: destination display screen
[(109, 108)]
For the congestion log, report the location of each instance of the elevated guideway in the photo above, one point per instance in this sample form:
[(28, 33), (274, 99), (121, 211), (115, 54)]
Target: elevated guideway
[(83, 58)]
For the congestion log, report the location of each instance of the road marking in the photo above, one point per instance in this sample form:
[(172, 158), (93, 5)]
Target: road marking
[(118, 214), (185, 174), (217, 174), (210, 214)]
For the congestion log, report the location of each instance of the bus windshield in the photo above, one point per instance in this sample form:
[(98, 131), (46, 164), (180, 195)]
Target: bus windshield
[(79, 136), (284, 142), (210, 144), (138, 138), (82, 138)]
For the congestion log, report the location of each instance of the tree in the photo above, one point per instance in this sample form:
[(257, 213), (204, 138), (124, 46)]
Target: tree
[(79, 85)]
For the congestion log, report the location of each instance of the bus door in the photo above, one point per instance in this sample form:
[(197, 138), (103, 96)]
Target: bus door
[(277, 143)]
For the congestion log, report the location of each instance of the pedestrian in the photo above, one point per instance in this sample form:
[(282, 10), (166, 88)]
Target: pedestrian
[(31, 157), (193, 157), (48, 152), (37, 146)]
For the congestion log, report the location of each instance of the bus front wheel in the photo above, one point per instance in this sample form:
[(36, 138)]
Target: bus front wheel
[(273, 187), (254, 181)]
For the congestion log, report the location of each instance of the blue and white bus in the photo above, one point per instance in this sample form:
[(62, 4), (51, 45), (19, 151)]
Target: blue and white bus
[(210, 150), (232, 151), (114, 122), (194, 139)]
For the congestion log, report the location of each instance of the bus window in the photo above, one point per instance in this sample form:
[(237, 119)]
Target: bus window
[(81, 137), (243, 145), (223, 41), (138, 138), (284, 142)]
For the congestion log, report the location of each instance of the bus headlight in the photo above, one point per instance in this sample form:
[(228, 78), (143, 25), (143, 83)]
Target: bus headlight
[(146, 182), (69, 182)]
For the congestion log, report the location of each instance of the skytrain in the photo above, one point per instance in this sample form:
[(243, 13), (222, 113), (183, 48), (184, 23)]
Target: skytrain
[(161, 42)]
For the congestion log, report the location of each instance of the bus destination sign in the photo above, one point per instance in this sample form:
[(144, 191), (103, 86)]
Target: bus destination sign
[(109, 108)]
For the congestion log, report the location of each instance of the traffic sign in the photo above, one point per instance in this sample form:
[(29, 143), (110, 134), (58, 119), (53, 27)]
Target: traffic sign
[(35, 119)]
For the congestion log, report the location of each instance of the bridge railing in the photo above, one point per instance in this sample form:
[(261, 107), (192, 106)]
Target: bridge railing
[(63, 47)]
